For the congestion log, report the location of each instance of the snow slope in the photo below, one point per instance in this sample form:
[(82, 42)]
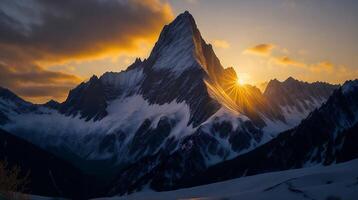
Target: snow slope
[(132, 109), (319, 183)]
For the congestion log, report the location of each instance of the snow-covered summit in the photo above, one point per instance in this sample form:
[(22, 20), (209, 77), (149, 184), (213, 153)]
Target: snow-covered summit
[(181, 47), (175, 47)]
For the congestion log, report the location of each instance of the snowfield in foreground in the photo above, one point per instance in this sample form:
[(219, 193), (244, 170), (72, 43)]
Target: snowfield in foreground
[(335, 182)]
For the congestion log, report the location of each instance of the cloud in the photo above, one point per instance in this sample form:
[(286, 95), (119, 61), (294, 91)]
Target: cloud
[(37, 33), (79, 29), (53, 91), (35, 74), (223, 44), (317, 71), (323, 66), (260, 49), (192, 1), (285, 60), (35, 81), (320, 71)]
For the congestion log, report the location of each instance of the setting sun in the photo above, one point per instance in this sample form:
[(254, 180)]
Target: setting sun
[(240, 81)]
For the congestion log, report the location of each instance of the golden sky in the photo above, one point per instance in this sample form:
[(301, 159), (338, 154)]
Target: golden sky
[(311, 40), (48, 47)]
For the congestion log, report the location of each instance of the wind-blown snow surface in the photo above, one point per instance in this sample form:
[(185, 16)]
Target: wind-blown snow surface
[(319, 183), (75, 130)]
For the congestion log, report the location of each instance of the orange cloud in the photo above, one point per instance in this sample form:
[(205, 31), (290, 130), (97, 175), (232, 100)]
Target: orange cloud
[(284, 60), (37, 83), (260, 49), (52, 32), (67, 34), (323, 66), (221, 44), (320, 71)]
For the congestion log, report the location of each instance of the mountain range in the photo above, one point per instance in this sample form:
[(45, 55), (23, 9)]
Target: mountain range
[(178, 119)]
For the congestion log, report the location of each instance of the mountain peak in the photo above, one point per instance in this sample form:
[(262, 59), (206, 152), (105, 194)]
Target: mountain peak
[(186, 17), (273, 83), (184, 22), (291, 79), (52, 104), (9, 95), (180, 48), (93, 78), (186, 13), (176, 48), (138, 62), (350, 86)]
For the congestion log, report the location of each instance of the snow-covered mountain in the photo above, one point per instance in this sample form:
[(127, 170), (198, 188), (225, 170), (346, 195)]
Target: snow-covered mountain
[(328, 135), (171, 115), (296, 99), (11, 104)]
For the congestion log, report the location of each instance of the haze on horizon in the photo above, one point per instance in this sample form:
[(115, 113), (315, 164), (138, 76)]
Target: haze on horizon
[(48, 47)]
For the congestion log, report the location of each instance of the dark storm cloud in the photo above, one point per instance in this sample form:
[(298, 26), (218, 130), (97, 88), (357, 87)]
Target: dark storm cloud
[(45, 31)]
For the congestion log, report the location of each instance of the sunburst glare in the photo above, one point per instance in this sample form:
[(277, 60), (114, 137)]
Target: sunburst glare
[(240, 81)]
